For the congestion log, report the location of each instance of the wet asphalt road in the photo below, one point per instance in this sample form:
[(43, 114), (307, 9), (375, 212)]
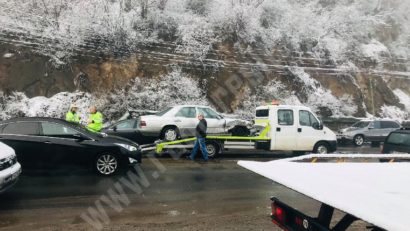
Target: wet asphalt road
[(177, 194)]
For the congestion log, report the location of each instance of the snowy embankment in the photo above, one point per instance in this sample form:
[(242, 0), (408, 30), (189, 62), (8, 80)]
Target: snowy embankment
[(146, 94), (335, 34), (179, 88)]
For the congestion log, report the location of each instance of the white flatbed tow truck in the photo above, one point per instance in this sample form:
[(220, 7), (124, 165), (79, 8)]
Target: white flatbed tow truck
[(290, 128), (373, 188)]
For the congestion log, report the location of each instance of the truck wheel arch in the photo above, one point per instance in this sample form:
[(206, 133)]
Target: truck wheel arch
[(217, 146), (321, 144)]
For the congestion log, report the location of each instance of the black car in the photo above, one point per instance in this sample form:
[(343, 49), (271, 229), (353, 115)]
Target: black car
[(128, 129), (397, 142), (54, 143)]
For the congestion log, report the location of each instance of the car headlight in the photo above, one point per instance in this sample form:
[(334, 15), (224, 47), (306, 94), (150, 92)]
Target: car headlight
[(128, 147)]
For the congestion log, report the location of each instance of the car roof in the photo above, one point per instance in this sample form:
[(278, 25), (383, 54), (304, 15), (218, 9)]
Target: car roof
[(191, 105), (407, 131), (34, 119), (284, 106), (383, 119), (46, 119)]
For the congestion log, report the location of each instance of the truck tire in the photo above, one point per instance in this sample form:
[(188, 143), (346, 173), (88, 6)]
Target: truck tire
[(321, 148), (213, 148), (358, 140)]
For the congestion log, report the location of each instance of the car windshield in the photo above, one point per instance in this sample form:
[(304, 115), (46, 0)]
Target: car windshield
[(87, 132), (161, 113), (402, 139), (361, 124)]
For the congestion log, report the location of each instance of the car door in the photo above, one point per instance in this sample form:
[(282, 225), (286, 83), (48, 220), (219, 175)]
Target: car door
[(374, 131), (285, 131), (24, 137), (387, 127), (66, 146), (186, 121), (215, 122), (126, 129), (308, 132)]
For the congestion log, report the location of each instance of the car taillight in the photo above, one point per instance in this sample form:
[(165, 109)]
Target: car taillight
[(299, 221), (143, 123), (278, 213)]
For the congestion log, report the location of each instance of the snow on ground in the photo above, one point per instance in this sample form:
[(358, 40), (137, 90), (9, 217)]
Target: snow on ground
[(403, 97), (318, 96), (145, 94), (374, 49), (394, 112), (338, 30)]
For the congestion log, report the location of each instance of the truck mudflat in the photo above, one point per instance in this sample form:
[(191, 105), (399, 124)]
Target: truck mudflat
[(376, 191)]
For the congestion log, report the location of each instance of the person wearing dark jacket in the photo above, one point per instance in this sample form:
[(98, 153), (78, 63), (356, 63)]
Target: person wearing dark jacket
[(200, 138)]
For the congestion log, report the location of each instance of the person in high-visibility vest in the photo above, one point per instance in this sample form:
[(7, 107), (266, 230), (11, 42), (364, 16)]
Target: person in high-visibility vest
[(72, 115), (95, 120)]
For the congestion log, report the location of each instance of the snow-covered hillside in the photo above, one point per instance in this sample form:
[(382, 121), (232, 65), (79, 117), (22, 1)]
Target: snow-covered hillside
[(342, 58)]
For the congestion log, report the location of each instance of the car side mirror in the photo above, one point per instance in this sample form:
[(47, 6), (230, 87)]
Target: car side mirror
[(317, 126), (114, 128)]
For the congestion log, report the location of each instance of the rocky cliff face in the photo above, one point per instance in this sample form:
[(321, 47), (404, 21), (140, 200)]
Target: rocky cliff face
[(351, 61)]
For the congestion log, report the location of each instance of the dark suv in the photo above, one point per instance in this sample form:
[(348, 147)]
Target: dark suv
[(397, 142), (54, 143)]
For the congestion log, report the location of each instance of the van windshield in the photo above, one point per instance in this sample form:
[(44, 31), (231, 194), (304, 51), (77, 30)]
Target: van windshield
[(361, 124)]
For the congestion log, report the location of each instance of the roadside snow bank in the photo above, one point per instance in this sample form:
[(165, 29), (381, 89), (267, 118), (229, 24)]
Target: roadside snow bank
[(145, 94)]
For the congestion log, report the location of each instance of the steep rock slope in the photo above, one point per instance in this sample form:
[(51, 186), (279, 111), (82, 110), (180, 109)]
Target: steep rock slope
[(342, 58)]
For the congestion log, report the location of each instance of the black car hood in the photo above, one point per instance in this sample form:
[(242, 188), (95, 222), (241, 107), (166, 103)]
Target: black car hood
[(116, 139)]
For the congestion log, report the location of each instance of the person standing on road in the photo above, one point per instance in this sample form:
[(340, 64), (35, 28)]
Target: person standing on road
[(72, 115), (200, 139), (95, 120)]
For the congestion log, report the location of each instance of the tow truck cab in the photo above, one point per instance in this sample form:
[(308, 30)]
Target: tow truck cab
[(293, 128)]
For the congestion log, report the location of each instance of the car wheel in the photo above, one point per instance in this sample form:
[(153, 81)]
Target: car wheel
[(321, 148), (107, 164), (170, 134), (358, 140), (212, 148), (240, 131)]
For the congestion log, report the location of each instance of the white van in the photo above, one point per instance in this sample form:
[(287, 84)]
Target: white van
[(294, 128), (10, 169)]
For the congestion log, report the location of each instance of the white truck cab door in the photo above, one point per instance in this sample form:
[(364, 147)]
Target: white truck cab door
[(186, 121), (285, 131), (216, 123), (308, 133)]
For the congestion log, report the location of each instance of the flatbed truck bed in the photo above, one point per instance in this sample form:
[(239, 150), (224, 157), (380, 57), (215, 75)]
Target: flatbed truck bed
[(373, 188)]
